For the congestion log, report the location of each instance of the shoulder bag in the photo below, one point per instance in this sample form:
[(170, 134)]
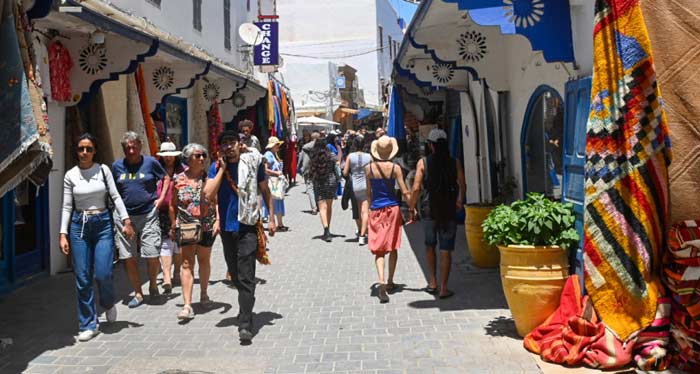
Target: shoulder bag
[(191, 232)]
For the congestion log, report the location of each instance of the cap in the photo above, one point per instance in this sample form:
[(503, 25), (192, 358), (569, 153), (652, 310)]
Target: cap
[(436, 135)]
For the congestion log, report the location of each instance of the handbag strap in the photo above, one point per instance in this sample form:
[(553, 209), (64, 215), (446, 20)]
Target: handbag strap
[(234, 187)]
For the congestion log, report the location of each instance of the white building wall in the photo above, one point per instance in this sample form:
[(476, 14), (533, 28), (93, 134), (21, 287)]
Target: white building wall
[(387, 18)]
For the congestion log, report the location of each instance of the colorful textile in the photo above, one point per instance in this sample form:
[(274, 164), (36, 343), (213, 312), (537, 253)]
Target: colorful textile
[(384, 230), (134, 117), (628, 152), (215, 128), (145, 111), (651, 345), (270, 108), (191, 205), (60, 65)]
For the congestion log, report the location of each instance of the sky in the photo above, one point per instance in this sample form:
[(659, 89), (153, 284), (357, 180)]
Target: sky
[(405, 9)]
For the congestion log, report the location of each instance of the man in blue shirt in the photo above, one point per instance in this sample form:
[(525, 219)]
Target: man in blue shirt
[(235, 180), (136, 177)]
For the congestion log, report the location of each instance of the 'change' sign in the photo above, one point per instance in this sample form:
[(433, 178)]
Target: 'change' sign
[(267, 53)]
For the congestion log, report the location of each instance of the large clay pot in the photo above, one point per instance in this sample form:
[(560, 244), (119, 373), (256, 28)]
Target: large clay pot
[(533, 279), (483, 254)]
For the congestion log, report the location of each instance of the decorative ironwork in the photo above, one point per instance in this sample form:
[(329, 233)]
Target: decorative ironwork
[(163, 78), (443, 73), (93, 59), (524, 13), (211, 91), (238, 100), (472, 46)]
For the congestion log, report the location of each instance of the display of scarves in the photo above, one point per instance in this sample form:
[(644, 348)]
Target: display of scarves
[(285, 107), (279, 131), (626, 185), (215, 128), (134, 116), (146, 113), (60, 65), (270, 107)]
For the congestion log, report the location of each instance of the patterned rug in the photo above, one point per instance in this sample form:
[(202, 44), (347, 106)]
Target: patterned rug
[(628, 153)]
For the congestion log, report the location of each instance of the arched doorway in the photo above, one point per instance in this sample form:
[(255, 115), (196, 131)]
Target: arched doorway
[(541, 143)]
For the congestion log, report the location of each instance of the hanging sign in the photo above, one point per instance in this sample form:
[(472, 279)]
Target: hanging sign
[(267, 52)]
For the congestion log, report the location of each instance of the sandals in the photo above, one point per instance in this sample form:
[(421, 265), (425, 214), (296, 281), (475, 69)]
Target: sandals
[(205, 301), (383, 297), (186, 313), (282, 229), (447, 295), (431, 290)]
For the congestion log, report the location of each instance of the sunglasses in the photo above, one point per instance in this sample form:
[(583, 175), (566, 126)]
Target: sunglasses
[(86, 149), (200, 155)]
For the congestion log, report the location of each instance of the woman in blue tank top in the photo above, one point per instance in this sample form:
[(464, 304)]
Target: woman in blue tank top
[(385, 221)]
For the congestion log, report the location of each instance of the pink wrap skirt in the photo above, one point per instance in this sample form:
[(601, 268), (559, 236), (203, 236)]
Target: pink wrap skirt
[(384, 228)]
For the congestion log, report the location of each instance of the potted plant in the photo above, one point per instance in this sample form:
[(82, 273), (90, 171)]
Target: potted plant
[(532, 236), (483, 254)]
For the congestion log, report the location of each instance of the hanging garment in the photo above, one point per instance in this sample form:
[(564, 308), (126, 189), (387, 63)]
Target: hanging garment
[(290, 160), (60, 65), (285, 106), (134, 116), (628, 153), (215, 128), (270, 107), (146, 113), (200, 124)]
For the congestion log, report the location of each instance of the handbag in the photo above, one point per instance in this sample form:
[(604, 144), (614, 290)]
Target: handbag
[(278, 187), (189, 233)]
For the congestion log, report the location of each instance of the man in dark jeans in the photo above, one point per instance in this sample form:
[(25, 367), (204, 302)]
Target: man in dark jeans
[(236, 178)]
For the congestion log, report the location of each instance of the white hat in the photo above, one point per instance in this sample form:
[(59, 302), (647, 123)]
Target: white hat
[(384, 148), (436, 135), (168, 149)]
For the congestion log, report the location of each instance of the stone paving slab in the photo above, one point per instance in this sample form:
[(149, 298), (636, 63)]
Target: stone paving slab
[(316, 312)]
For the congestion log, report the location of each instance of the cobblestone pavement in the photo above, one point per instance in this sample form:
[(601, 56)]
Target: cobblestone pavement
[(316, 311)]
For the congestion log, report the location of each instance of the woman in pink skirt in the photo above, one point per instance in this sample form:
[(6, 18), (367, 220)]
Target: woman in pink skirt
[(385, 219)]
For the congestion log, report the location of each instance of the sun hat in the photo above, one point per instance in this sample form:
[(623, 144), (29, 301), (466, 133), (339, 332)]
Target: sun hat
[(168, 149), (273, 141), (385, 148), (436, 135)]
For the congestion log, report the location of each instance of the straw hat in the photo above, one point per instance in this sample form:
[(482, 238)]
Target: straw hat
[(384, 148), (168, 149), (273, 141)]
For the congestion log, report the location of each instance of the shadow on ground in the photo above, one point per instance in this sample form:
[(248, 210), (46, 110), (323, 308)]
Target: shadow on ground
[(474, 288)]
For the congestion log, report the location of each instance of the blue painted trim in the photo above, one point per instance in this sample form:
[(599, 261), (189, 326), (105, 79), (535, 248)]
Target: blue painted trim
[(526, 124), (40, 9), (409, 74), (417, 20), (194, 79), (237, 90), (433, 55)]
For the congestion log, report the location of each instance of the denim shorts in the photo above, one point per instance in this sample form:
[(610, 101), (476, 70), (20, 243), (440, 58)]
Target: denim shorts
[(445, 236)]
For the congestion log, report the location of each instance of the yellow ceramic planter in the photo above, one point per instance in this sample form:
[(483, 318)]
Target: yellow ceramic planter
[(483, 254), (533, 279)]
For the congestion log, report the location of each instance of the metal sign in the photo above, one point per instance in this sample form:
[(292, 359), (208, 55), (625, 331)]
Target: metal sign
[(267, 53), (340, 82)]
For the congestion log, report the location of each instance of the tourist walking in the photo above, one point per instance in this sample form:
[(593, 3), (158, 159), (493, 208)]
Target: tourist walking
[(194, 225), (437, 192), (305, 162), (137, 178), (324, 176), (355, 168), (385, 221), (234, 182), (169, 250), (276, 180), (87, 233), (250, 140)]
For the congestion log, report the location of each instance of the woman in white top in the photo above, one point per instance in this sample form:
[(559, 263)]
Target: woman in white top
[(87, 233), (355, 167)]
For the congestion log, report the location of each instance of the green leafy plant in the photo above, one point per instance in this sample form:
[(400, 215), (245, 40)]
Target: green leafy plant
[(533, 221)]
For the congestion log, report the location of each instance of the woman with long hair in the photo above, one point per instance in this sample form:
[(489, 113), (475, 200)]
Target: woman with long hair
[(169, 250), (274, 169), (325, 181), (441, 180), (189, 207), (87, 233), (355, 168), (385, 221)]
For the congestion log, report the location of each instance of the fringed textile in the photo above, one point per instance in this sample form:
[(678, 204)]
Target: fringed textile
[(200, 123), (628, 153), (215, 128)]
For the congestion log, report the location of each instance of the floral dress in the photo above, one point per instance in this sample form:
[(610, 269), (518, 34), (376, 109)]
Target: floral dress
[(191, 205)]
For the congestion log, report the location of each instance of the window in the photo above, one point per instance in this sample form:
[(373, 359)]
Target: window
[(227, 24), (391, 47), (380, 30), (154, 2), (197, 14)]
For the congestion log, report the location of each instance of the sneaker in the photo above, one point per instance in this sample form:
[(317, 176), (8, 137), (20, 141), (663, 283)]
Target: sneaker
[(86, 335), (186, 313), (135, 302), (111, 314), (363, 240), (245, 336), (167, 289)]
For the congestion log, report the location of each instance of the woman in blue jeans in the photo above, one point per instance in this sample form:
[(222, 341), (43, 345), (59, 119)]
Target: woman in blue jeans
[(87, 233)]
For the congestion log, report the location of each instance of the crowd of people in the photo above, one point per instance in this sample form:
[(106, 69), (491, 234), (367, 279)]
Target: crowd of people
[(170, 210)]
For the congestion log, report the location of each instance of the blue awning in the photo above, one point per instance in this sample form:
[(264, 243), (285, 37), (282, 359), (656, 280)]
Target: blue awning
[(395, 125)]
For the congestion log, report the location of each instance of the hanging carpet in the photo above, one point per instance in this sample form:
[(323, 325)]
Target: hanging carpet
[(200, 124), (628, 152)]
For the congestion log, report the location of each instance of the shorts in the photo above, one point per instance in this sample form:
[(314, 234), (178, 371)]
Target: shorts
[(446, 236), (208, 239), (169, 247), (147, 228)]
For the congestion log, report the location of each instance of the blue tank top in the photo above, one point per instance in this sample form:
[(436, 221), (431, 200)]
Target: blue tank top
[(383, 194)]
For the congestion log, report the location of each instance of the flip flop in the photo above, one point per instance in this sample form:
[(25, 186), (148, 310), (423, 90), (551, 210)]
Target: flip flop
[(447, 295), (430, 290)]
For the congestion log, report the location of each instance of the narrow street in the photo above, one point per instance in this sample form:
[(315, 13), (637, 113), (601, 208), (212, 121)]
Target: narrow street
[(316, 311)]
